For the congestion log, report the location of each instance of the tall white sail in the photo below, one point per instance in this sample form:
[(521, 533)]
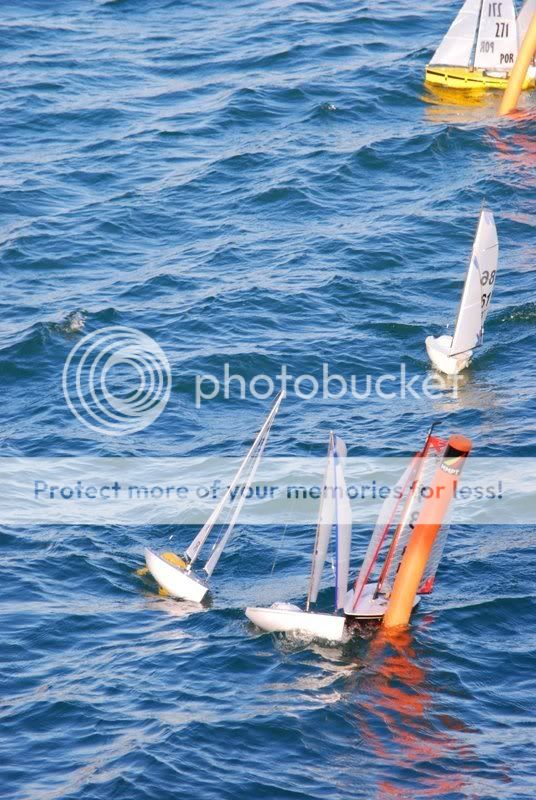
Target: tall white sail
[(496, 44), (197, 543), (524, 19), (218, 550), (343, 523), (324, 527), (457, 47), (478, 287)]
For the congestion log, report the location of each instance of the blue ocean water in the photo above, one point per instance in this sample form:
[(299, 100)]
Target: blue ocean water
[(259, 183)]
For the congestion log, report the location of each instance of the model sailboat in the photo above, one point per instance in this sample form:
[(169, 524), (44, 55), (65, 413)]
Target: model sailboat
[(451, 354), (481, 46), (335, 512), (369, 598), (175, 573)]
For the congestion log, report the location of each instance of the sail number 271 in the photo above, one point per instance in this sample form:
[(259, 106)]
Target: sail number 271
[(501, 28)]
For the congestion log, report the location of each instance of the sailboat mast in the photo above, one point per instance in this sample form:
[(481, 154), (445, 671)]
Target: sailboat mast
[(475, 41), (337, 547), (343, 523), (319, 523)]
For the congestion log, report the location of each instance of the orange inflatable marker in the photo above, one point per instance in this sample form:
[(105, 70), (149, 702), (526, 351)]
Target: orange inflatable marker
[(517, 76), (428, 525)]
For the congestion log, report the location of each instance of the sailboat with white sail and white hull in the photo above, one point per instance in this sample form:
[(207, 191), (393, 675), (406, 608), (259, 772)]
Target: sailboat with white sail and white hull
[(481, 46), (175, 573), (335, 512), (451, 354)]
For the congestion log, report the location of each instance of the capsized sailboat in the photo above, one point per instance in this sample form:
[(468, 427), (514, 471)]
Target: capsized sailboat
[(481, 46), (175, 573), (334, 512), (451, 354), (369, 597)]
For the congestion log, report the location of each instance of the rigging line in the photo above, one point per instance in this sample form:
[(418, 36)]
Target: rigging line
[(279, 548)]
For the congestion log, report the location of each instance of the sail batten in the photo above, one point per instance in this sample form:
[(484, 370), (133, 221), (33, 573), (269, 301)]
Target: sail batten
[(478, 287), (456, 48)]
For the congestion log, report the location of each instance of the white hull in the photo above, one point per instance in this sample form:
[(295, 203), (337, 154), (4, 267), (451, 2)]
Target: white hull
[(368, 606), (438, 353), (176, 581), (284, 618)]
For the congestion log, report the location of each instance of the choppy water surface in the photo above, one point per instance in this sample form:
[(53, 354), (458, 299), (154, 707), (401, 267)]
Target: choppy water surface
[(260, 184)]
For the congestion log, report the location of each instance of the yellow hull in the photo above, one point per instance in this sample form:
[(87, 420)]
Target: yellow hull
[(468, 79)]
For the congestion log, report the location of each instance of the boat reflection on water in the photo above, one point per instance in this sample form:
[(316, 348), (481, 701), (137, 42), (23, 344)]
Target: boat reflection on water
[(464, 391), (519, 150), (173, 608), (405, 719), (451, 106), (322, 678)]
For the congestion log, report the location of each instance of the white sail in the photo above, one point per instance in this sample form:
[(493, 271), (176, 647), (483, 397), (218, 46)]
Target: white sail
[(343, 523), (218, 550), (524, 19), (197, 543), (496, 44), (324, 527), (478, 287), (457, 47)]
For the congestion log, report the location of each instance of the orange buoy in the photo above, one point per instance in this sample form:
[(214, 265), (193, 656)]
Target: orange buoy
[(517, 76), (428, 525)]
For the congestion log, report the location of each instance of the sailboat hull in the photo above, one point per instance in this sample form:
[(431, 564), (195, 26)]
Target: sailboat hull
[(368, 606), (286, 618), (176, 581), (471, 79), (438, 353)]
